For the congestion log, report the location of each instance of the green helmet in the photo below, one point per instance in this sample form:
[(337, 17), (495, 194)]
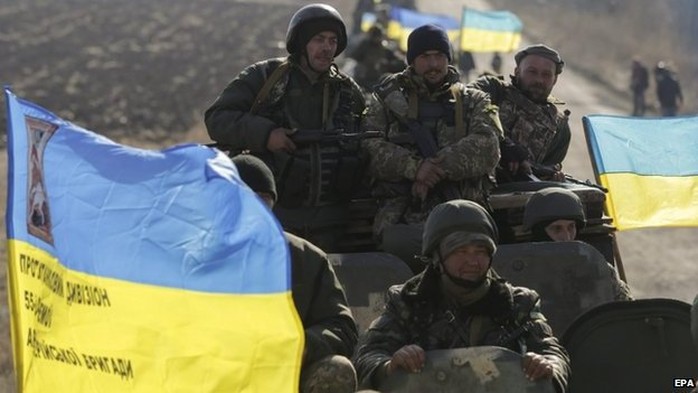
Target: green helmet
[(458, 215), (313, 19), (553, 203)]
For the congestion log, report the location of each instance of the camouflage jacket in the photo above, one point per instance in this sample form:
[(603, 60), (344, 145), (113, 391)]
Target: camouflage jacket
[(542, 128), (241, 119), (418, 313), (468, 155), (320, 302)]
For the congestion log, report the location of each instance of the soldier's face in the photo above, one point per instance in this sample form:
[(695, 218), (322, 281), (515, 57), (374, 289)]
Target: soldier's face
[(432, 65), (320, 51), (536, 76), (469, 262), (562, 230)]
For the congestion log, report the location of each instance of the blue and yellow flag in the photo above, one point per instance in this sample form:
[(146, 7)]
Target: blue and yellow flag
[(489, 31), (404, 20), (650, 167), (477, 31), (141, 271)]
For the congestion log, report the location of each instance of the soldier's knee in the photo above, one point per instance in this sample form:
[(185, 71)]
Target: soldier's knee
[(331, 374)]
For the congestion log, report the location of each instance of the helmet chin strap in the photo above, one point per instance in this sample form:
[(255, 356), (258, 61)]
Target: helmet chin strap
[(461, 282), (310, 66)]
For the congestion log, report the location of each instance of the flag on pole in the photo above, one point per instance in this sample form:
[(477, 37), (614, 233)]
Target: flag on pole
[(133, 270), (489, 31), (404, 20), (650, 167)]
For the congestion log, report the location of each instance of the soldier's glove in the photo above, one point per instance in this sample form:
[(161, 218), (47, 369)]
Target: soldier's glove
[(512, 152)]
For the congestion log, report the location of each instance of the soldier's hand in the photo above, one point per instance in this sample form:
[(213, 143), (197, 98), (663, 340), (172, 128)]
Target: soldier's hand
[(279, 141), (536, 366), (410, 357), (420, 190), (429, 172)]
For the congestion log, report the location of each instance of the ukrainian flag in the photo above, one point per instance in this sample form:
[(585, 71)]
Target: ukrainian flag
[(404, 20), (141, 271), (489, 31), (650, 167)]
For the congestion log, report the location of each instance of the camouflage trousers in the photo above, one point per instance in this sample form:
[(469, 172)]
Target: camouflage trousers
[(331, 374)]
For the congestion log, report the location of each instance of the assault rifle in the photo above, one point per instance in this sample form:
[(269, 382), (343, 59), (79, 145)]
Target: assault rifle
[(301, 136), (546, 171), (305, 136), (427, 148)]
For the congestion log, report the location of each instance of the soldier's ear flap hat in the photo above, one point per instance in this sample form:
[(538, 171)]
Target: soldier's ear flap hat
[(542, 51), (256, 174), (426, 38)]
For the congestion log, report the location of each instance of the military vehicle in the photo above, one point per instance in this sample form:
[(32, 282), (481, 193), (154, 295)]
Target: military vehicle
[(637, 346)]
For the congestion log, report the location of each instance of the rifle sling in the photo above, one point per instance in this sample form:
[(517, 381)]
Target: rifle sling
[(268, 85)]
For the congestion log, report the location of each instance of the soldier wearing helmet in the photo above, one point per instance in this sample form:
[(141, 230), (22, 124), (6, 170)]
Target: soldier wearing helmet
[(330, 330), (536, 130), (556, 214), (440, 142), (264, 104), (457, 302)]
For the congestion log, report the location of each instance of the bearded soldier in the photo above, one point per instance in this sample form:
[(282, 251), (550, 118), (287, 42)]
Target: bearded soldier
[(440, 142), (536, 129), (269, 101), (458, 302)]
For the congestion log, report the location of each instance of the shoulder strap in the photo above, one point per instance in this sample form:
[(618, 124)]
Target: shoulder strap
[(268, 85), (457, 93)]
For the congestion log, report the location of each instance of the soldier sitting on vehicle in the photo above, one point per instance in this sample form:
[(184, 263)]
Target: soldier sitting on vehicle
[(374, 58), (272, 99), (330, 330), (457, 302), (536, 131), (441, 142), (556, 214)]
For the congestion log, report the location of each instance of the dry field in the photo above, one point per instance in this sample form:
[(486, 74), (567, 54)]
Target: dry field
[(143, 72)]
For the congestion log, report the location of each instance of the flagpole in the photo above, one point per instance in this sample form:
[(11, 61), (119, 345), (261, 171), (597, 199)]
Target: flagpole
[(460, 34)]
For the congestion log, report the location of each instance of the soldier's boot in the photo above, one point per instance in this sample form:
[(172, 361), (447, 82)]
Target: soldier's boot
[(331, 374)]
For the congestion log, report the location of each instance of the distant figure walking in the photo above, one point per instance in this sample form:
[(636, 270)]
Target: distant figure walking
[(668, 89), (496, 63), (639, 82), (466, 63)]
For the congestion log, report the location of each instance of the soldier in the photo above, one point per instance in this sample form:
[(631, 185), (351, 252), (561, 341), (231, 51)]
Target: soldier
[(668, 89), (457, 302), (536, 130), (330, 330), (639, 82), (556, 214), (374, 58), (441, 142), (270, 100)]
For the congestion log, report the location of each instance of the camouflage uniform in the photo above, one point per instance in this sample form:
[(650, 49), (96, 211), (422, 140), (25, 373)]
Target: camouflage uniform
[(418, 312), (541, 128), (316, 180), (330, 331), (469, 155)]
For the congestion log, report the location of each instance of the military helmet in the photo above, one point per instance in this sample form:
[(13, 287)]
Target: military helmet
[(313, 16), (553, 203), (458, 215)]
